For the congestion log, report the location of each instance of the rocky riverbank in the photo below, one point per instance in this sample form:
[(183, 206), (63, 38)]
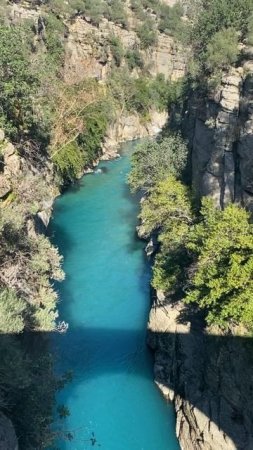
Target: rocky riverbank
[(207, 375)]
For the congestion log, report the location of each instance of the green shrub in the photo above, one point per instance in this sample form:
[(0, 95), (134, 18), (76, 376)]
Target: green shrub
[(142, 94), (153, 5), (116, 49), (17, 84), (170, 19), (54, 39), (12, 310), (250, 31), (147, 34), (223, 279), (165, 207), (134, 59), (216, 15), (115, 12), (153, 162), (137, 8), (69, 161), (95, 9), (96, 122), (222, 50)]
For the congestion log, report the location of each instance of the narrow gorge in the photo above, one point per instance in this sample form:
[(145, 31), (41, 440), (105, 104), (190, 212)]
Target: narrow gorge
[(105, 296), (86, 266)]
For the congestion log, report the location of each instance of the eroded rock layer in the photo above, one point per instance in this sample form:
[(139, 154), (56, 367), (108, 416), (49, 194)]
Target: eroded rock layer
[(220, 133), (207, 376)]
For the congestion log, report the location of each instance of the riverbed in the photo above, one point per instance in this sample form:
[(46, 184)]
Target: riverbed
[(105, 298)]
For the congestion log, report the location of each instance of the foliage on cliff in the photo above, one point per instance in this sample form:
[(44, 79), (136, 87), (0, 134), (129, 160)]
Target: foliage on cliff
[(205, 257), (80, 120), (215, 29), (169, 18), (17, 84), (154, 161), (222, 248)]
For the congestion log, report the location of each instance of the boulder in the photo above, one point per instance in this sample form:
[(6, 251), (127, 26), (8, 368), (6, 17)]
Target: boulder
[(5, 186)]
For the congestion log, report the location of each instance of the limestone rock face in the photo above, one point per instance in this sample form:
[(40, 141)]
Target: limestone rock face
[(221, 136), (208, 377), (12, 161), (215, 132), (88, 52), (129, 127)]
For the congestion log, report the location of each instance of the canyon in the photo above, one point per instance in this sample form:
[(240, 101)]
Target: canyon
[(206, 375)]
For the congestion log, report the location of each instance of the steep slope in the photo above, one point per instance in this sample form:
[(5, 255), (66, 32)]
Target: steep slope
[(63, 51), (220, 132), (207, 371)]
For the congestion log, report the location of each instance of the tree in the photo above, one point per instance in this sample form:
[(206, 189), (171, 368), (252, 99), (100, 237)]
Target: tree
[(12, 309), (79, 124), (153, 161), (216, 15), (250, 30), (147, 33), (222, 245), (117, 49), (167, 211), (134, 59), (170, 19), (95, 9), (222, 50), (116, 12), (17, 84)]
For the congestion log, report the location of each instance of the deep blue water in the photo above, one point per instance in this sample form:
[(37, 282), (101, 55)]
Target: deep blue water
[(105, 299)]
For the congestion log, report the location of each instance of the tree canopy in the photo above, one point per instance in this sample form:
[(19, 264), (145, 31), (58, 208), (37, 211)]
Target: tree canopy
[(153, 161), (222, 245)]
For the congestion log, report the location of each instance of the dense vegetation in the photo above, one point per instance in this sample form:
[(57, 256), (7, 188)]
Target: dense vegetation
[(168, 18), (216, 28), (206, 256), (153, 162)]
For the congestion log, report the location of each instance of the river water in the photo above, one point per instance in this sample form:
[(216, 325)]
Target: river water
[(105, 298)]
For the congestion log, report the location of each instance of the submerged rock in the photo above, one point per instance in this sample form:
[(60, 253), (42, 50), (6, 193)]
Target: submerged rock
[(8, 438)]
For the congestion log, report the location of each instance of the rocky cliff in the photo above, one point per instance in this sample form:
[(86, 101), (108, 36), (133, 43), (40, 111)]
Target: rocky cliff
[(220, 129), (88, 55), (88, 51), (207, 376), (205, 373)]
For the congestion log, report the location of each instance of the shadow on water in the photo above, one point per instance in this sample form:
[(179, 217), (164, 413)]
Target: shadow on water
[(218, 377), (205, 360), (221, 400), (58, 232)]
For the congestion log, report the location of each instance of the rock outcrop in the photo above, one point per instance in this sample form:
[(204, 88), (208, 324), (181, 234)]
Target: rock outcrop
[(220, 133), (129, 127), (208, 377), (88, 53)]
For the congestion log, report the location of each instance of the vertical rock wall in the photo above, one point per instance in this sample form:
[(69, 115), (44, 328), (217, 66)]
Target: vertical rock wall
[(222, 141), (207, 376)]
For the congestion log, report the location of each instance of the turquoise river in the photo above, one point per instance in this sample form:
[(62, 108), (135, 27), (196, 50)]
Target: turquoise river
[(105, 298)]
